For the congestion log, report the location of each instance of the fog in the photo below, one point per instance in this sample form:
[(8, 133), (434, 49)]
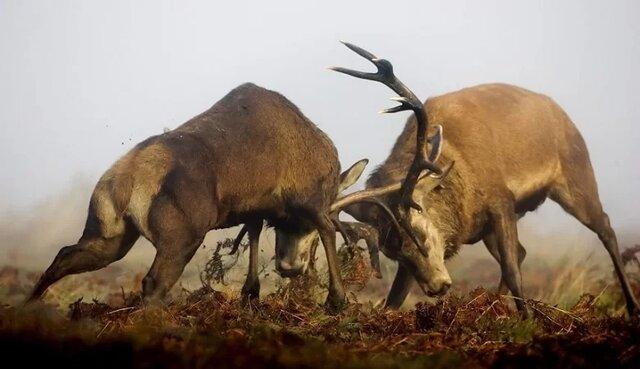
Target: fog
[(82, 82)]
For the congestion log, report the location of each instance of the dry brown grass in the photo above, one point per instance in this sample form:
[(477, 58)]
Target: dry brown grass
[(289, 327)]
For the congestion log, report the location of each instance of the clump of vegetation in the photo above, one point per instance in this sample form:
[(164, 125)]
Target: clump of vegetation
[(290, 328), (355, 269), (215, 268)]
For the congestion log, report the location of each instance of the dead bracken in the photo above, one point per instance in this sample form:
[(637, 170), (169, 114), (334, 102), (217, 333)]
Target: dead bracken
[(290, 328), (215, 270)]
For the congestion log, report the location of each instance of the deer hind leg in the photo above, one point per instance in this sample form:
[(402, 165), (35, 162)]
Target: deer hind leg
[(251, 288), (171, 258), (92, 252), (176, 241), (492, 245), (582, 202)]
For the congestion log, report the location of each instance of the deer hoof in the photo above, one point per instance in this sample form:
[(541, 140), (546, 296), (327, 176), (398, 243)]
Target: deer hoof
[(335, 305), (250, 293)]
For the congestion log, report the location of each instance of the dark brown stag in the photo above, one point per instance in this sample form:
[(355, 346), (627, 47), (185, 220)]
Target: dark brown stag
[(512, 149), (253, 156)]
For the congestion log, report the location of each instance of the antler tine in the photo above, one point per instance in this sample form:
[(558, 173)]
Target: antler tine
[(373, 196), (398, 225), (340, 227), (377, 192), (360, 51), (365, 54), (383, 75), (238, 240)]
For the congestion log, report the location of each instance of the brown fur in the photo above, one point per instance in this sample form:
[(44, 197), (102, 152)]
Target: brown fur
[(129, 187), (252, 156), (512, 149), (502, 138)]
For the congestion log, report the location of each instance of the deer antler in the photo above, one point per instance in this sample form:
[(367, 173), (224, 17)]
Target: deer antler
[(408, 101), (372, 196)]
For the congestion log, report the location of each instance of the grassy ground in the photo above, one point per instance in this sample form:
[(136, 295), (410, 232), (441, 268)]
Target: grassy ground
[(288, 327)]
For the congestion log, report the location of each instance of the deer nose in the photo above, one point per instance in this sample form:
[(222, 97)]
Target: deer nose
[(440, 287), (285, 269), (444, 288)]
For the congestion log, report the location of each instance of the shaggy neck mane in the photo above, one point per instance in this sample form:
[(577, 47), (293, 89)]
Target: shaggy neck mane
[(396, 166)]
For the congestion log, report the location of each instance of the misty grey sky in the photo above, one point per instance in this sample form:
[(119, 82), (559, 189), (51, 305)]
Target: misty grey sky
[(82, 81)]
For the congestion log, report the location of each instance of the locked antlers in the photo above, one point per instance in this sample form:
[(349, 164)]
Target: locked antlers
[(408, 101)]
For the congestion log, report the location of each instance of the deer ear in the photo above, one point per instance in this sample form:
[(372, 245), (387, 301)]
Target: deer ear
[(351, 175)]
